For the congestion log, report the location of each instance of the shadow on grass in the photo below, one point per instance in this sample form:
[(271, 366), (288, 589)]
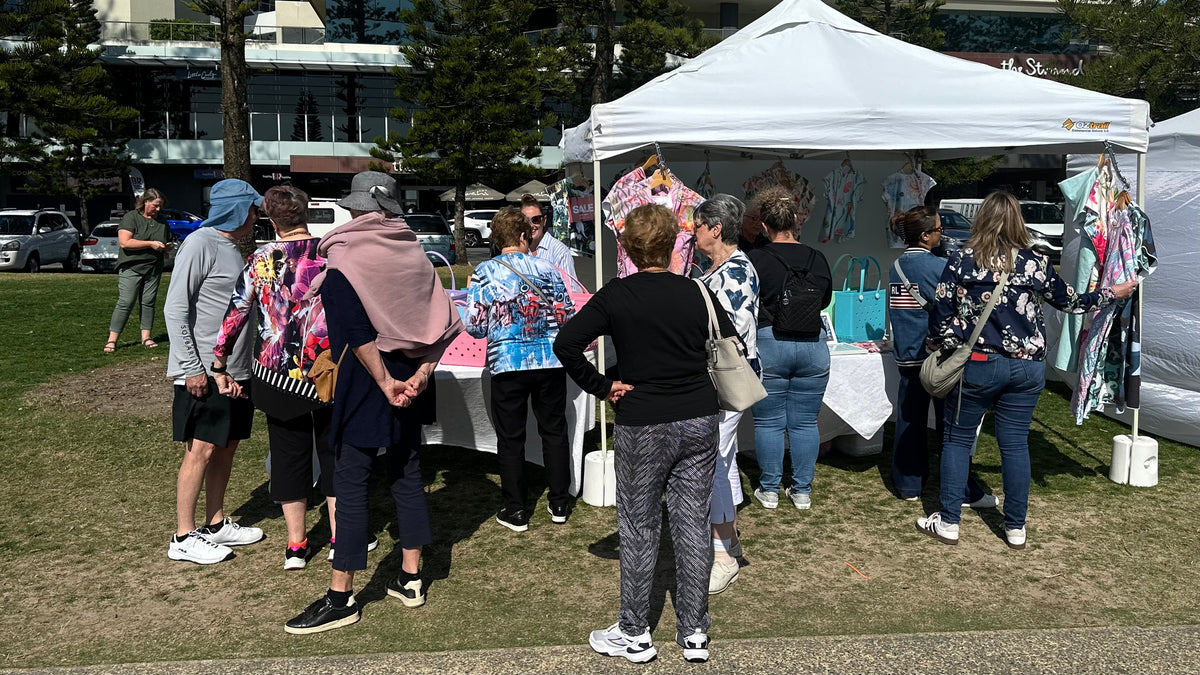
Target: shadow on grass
[(257, 507)]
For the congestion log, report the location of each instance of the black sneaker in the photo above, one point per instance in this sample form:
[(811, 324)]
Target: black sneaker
[(412, 594), (559, 514), (322, 616), (517, 521), (295, 558), (371, 546)]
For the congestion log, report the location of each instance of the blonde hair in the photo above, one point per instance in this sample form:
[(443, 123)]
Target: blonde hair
[(649, 235), (998, 228)]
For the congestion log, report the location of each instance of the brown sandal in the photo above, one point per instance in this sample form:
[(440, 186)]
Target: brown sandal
[(149, 344), (110, 346)]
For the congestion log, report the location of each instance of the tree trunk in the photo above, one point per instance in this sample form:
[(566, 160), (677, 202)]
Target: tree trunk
[(604, 51), (235, 113), (460, 232), (83, 215)]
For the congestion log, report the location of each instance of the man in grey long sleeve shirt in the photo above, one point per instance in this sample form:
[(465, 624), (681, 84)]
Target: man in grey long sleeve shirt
[(209, 422)]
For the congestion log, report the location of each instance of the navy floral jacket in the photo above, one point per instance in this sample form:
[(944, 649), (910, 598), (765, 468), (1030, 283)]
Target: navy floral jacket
[(1016, 327)]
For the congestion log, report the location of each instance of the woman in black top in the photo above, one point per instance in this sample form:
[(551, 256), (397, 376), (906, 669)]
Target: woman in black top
[(793, 355), (665, 434)]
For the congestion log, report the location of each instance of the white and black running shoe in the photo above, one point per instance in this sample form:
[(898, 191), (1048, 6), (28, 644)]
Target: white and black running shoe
[(198, 548), (613, 642), (934, 527), (695, 646), (371, 546), (229, 533)]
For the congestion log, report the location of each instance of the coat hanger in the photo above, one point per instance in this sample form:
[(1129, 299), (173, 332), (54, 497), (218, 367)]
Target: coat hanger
[(661, 177), (846, 162), (651, 161)]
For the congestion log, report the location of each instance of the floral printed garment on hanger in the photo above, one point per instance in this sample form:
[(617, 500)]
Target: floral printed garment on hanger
[(901, 192), (633, 190), (578, 235), (779, 174), (843, 191)]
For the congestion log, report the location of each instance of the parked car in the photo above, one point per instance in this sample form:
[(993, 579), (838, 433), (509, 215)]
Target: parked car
[(956, 230), (1044, 221), (477, 224), (181, 223), (30, 238), (1045, 224), (324, 215), (434, 233), (101, 248)]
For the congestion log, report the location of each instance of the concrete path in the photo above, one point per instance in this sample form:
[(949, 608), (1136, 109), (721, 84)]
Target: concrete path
[(1084, 650)]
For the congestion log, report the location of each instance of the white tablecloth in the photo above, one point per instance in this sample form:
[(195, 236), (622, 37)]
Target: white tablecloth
[(861, 396), (463, 405)]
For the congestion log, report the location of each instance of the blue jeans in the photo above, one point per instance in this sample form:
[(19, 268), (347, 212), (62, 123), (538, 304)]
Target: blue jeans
[(1012, 386), (795, 373), (910, 448)]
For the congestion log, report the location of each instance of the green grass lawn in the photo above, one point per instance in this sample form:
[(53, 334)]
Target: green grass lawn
[(89, 468)]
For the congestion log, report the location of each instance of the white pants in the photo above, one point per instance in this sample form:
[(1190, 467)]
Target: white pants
[(727, 483)]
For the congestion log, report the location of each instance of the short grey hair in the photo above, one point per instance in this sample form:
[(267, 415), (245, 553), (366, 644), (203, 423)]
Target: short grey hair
[(724, 210)]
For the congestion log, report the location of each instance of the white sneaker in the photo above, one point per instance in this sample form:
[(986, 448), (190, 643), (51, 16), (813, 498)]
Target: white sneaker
[(695, 646), (232, 534), (371, 546), (612, 642), (984, 502), (722, 575), (198, 549), (1015, 538), (769, 500), (934, 527), (801, 500)]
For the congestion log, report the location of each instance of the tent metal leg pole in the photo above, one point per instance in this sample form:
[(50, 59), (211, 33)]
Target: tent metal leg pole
[(599, 260), (1141, 193)]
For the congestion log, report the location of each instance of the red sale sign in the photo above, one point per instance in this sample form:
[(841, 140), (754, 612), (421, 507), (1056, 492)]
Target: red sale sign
[(582, 209)]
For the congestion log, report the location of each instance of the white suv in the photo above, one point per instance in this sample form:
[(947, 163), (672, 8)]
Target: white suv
[(478, 226), (30, 238)]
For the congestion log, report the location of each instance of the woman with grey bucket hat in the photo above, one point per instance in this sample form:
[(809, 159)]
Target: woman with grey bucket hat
[(385, 305)]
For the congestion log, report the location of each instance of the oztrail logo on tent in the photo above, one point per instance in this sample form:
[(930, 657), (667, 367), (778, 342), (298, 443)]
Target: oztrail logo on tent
[(1075, 125)]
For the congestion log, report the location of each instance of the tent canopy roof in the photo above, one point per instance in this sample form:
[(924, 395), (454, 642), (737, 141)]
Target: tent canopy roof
[(477, 192), (806, 81), (534, 187)]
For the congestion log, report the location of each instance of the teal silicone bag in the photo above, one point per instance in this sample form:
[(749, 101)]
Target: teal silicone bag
[(860, 314)]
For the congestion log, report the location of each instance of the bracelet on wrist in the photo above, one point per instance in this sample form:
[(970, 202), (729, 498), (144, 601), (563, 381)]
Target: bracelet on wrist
[(218, 371)]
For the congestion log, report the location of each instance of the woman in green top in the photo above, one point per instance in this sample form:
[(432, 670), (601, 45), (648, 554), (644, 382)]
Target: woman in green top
[(144, 241)]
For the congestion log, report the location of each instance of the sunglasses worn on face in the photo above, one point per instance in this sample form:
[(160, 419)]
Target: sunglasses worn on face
[(537, 220)]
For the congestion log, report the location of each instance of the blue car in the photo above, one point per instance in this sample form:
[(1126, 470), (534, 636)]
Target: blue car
[(182, 223)]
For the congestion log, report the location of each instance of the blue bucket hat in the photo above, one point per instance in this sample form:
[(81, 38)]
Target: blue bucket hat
[(231, 200)]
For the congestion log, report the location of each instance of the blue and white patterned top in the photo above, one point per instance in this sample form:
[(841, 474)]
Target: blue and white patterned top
[(735, 283), (519, 326)]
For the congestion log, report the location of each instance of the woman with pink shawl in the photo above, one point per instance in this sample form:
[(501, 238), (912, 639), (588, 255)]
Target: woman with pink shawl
[(389, 321)]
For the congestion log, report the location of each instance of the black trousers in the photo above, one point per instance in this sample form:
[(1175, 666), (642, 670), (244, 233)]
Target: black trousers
[(547, 389)]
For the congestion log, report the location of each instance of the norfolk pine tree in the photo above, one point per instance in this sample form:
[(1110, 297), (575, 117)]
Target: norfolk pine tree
[(53, 77), (473, 90), (1153, 50)]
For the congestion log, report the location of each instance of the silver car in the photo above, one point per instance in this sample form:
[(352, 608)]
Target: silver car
[(30, 238), (433, 233), (101, 248)]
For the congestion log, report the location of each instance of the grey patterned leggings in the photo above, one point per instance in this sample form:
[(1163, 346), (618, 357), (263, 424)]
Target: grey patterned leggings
[(678, 457)]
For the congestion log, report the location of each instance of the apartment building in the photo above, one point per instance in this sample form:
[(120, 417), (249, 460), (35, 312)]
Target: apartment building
[(321, 87)]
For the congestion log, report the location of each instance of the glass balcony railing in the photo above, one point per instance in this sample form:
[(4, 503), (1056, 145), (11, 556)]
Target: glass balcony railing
[(182, 31)]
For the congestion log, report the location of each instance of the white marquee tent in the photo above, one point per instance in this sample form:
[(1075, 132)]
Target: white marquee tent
[(805, 79), (1170, 394), (806, 82)]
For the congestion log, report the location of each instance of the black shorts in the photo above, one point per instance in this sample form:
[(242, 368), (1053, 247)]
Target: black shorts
[(215, 418), (292, 445)]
